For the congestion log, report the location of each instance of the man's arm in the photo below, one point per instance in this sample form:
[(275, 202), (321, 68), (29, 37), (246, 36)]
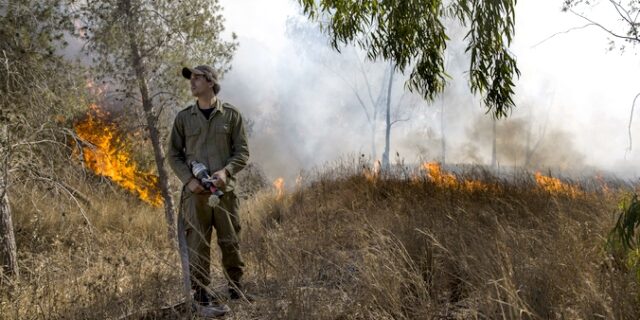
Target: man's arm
[(175, 153), (239, 147)]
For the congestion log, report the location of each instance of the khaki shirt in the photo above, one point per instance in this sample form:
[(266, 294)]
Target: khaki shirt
[(218, 142)]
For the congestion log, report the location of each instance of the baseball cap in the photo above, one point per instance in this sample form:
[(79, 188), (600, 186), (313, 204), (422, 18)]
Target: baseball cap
[(208, 72)]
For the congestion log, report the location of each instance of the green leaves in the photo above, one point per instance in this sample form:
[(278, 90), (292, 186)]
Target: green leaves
[(169, 35), (625, 230), (412, 35)]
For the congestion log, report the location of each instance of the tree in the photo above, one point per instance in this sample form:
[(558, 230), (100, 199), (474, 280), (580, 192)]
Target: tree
[(400, 104), (370, 83), (38, 95), (412, 35), (141, 45), (628, 31)]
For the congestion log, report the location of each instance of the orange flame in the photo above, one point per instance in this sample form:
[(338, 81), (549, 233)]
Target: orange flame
[(447, 180), (279, 184), (555, 186), (107, 158), (372, 174), (435, 174), (94, 89), (604, 186)]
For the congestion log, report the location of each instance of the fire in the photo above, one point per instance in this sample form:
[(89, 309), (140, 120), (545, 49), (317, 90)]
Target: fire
[(555, 186), (446, 180), (435, 174), (604, 186), (94, 89), (279, 185), (106, 157), (372, 174)]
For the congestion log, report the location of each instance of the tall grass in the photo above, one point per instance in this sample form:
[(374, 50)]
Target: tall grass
[(343, 245)]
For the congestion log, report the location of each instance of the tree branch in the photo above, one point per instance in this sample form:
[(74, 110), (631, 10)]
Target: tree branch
[(619, 7), (74, 195), (399, 120), (609, 31), (562, 32)]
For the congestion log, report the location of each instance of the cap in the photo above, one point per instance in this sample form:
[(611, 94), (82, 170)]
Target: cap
[(208, 72)]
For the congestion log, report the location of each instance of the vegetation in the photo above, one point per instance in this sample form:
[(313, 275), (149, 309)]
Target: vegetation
[(412, 35), (39, 93), (139, 46), (347, 243)]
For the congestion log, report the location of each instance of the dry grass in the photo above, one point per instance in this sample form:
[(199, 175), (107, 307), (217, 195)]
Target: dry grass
[(342, 246)]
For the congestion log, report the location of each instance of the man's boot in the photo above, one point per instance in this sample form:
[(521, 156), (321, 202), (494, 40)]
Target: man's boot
[(206, 305), (236, 292)]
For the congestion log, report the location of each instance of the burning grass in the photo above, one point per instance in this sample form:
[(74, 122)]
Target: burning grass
[(346, 245), (104, 152)]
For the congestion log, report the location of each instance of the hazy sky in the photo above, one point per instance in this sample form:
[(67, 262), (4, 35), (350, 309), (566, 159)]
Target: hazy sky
[(586, 90)]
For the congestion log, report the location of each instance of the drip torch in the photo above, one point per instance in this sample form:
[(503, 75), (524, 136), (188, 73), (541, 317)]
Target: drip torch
[(201, 172)]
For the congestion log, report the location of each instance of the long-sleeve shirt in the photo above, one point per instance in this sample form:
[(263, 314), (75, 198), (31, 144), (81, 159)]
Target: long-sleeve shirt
[(218, 142)]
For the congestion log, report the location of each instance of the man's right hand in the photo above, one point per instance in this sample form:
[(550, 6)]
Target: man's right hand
[(195, 186)]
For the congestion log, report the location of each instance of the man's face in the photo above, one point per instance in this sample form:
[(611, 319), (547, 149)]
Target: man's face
[(199, 85)]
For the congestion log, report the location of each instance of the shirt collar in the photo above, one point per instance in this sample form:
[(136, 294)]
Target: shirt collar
[(217, 106)]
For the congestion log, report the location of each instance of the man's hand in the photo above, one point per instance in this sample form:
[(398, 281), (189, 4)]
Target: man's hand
[(221, 182), (194, 186)]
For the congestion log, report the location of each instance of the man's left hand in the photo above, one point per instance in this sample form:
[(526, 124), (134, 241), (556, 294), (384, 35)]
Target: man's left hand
[(221, 182)]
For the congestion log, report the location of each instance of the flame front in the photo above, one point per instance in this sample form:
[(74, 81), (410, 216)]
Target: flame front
[(446, 180), (555, 186), (279, 185), (435, 174), (372, 174), (106, 157)]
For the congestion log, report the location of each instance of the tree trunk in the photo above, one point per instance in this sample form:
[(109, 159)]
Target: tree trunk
[(387, 132), (528, 151), (376, 107), (373, 141), (8, 251), (494, 157), (443, 141), (154, 135)]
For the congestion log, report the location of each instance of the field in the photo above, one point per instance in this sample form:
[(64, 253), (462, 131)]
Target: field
[(346, 242)]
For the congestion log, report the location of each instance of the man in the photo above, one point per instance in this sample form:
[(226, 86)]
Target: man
[(210, 132)]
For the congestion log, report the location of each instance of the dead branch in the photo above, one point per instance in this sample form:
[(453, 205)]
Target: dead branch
[(562, 32), (609, 31)]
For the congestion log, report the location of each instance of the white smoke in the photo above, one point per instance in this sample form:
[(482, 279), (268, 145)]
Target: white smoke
[(573, 95)]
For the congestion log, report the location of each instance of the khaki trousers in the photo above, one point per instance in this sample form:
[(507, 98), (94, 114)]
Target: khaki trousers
[(199, 220)]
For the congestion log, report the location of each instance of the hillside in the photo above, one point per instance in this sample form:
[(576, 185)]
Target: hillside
[(346, 243)]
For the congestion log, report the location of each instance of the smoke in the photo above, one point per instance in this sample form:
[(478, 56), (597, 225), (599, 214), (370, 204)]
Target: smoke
[(310, 105)]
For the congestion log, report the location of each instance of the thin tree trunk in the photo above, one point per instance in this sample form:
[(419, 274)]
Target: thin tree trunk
[(8, 251), (387, 136), (442, 135), (528, 150), (373, 141), (154, 135), (376, 105), (494, 157)]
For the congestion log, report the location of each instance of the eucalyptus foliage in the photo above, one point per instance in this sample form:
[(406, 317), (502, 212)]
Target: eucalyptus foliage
[(412, 34)]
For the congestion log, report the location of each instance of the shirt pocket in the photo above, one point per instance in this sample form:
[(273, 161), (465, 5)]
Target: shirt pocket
[(191, 136), (221, 129), (222, 134)]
